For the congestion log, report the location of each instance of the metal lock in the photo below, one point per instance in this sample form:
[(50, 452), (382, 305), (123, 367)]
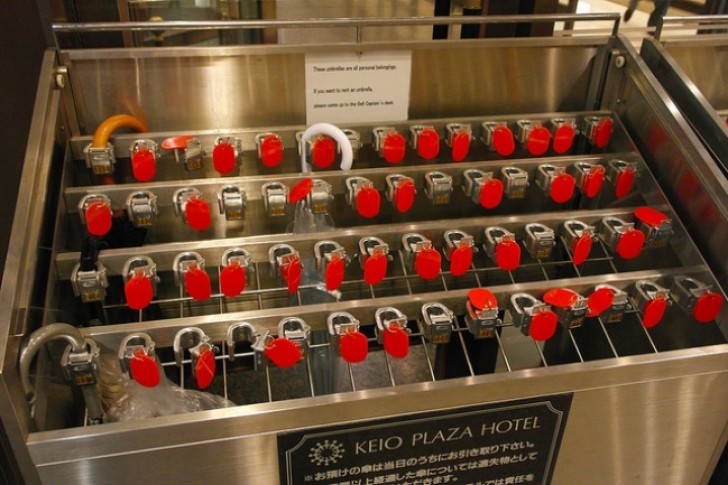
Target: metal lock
[(90, 285), (413, 243), (197, 344), (381, 134), (540, 240), (620, 304), (371, 245), (389, 317), (295, 330), (234, 142), (89, 199), (617, 167), (355, 140), (582, 172), (338, 324), (327, 251), (425, 139), (570, 311), (482, 323), (182, 197), (487, 130), (646, 292), (598, 130), (193, 154), (438, 187), (524, 129), (557, 123), (394, 181), (454, 129), (454, 238), (237, 256), (144, 265), (515, 181), (319, 197), (656, 227), (82, 369), (280, 256), (495, 235), (437, 323), (563, 131), (231, 201), (183, 262), (100, 160), (574, 230), (241, 332), (145, 145), (686, 291), (275, 198), (545, 175), (141, 207), (133, 346), (611, 230), (524, 308), (473, 182), (353, 186)]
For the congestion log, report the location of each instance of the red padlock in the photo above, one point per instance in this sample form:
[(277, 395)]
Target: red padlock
[(225, 155), (283, 353), (323, 151), (144, 369), (270, 149), (205, 368), (143, 164), (564, 138)]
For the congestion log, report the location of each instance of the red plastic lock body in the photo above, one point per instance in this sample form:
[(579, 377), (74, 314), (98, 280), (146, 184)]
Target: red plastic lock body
[(624, 182), (562, 188), (197, 214), (543, 325), (143, 165), (393, 147), (599, 301), (507, 255), (138, 291), (461, 258), (232, 279), (98, 218), (707, 307), (197, 284), (564, 138), (603, 133), (375, 268), (144, 369), (271, 150), (630, 244), (396, 342), (580, 249), (368, 202), (223, 157), (283, 353), (427, 263), (428, 143), (205, 368), (404, 196), (654, 311), (291, 273), (537, 143), (323, 151), (482, 299), (460, 146), (334, 274), (503, 141), (300, 191), (491, 194), (353, 347), (592, 183)]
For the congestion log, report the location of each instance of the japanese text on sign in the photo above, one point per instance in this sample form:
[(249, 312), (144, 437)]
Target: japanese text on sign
[(511, 443), (350, 87)]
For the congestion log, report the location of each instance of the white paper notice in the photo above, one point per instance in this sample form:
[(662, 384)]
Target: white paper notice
[(351, 88)]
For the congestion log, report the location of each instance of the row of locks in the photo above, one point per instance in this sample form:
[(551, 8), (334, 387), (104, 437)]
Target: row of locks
[(486, 189), (536, 318), (626, 239), (536, 137)]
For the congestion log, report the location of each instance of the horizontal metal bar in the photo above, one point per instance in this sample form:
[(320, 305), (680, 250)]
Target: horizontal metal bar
[(215, 326), (703, 20), (331, 23), (258, 246)]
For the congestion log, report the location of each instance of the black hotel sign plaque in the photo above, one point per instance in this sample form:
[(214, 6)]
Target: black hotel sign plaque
[(508, 443)]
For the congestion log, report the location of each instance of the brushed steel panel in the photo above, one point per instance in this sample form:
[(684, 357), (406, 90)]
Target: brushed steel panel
[(650, 420), (707, 68)]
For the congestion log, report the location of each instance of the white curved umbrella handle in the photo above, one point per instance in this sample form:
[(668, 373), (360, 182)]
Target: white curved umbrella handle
[(347, 153)]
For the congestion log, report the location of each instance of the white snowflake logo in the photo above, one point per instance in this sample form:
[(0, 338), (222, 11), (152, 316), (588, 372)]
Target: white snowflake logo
[(326, 453)]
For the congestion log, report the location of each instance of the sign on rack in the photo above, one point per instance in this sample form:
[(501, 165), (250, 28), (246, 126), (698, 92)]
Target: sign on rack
[(515, 442), (358, 88)]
